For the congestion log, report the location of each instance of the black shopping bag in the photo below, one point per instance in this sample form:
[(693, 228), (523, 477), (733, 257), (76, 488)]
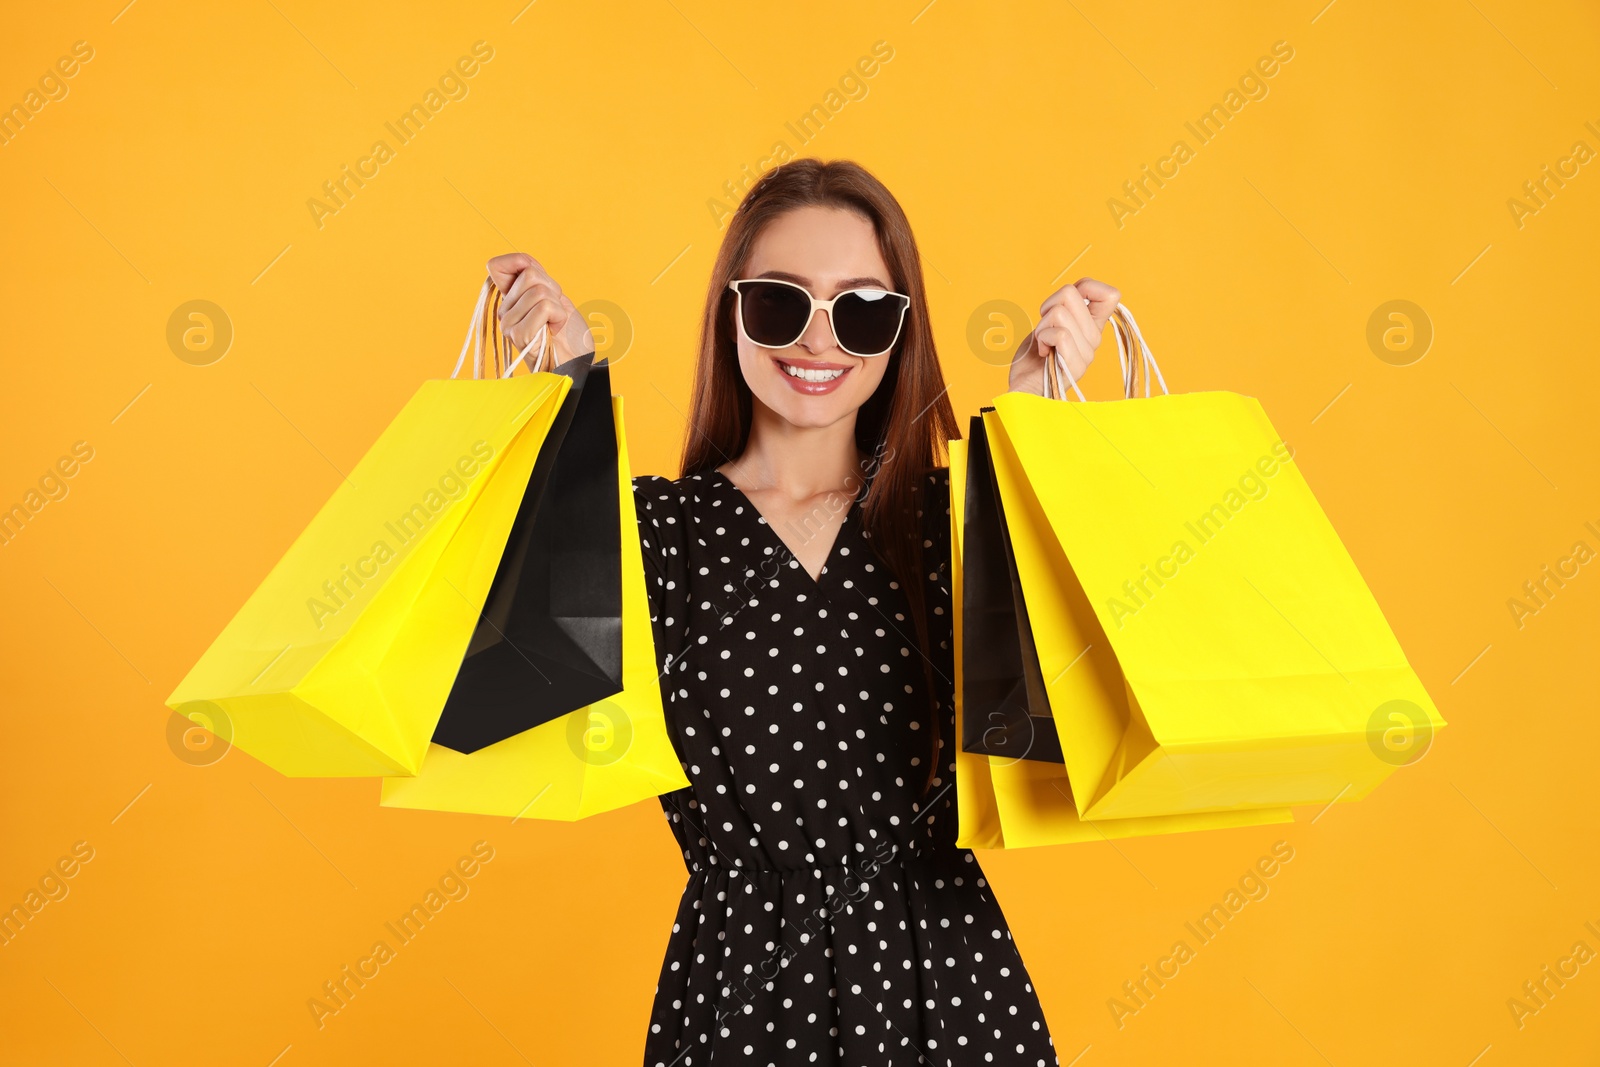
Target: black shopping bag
[(1005, 709), (549, 639)]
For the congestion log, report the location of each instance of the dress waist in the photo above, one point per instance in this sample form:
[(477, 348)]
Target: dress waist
[(864, 865)]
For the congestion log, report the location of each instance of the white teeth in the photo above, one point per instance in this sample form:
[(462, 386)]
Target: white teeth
[(810, 375)]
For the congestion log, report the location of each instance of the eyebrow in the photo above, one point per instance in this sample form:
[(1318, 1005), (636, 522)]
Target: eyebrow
[(847, 283)]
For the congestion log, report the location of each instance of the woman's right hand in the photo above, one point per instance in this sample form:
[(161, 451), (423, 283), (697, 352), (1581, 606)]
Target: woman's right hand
[(529, 299)]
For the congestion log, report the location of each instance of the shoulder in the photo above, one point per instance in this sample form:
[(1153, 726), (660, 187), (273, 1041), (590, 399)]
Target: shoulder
[(684, 490), (666, 510), (672, 501), (653, 496)]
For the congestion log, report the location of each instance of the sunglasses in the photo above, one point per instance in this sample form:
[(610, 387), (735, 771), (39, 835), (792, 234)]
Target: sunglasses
[(775, 314)]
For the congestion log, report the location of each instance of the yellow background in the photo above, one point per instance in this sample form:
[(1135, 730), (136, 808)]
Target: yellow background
[(1378, 167)]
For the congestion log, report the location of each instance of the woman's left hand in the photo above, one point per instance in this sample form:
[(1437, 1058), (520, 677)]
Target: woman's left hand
[(1072, 320)]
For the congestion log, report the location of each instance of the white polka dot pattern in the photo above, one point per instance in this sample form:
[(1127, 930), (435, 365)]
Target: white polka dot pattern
[(829, 917)]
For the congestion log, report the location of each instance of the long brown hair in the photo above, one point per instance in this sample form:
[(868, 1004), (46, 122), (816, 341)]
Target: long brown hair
[(906, 423)]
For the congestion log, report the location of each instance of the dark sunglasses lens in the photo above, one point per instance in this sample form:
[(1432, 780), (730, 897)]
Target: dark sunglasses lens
[(773, 314), (866, 322)]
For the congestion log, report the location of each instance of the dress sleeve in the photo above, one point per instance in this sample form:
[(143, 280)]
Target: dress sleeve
[(658, 504), (939, 611)]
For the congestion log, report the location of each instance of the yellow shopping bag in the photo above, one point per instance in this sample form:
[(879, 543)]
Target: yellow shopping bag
[(340, 662), (1206, 640), (1004, 802), (598, 758)]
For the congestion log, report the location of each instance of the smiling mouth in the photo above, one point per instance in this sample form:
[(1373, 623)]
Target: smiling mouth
[(812, 374)]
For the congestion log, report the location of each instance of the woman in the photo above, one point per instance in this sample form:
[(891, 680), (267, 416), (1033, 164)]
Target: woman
[(798, 576)]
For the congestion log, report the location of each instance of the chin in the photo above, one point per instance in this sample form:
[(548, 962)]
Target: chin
[(811, 412)]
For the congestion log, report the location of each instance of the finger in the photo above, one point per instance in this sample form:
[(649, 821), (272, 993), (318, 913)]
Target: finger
[(531, 281), (517, 314), (1067, 294), (1103, 299), (503, 270), (1077, 366), (1096, 296), (1079, 311), (517, 320), (542, 313), (1074, 317), (1069, 343)]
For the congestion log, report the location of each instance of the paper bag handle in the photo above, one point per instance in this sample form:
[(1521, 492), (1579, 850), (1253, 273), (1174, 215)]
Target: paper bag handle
[(1129, 340), (485, 326)]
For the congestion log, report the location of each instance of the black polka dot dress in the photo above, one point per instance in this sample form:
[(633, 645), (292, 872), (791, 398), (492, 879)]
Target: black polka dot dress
[(829, 917)]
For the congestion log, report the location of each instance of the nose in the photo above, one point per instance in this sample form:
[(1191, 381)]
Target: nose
[(818, 337)]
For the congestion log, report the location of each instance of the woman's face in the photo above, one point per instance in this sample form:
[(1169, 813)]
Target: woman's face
[(827, 250)]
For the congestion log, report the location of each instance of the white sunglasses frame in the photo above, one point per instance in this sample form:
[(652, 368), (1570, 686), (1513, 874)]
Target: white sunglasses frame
[(825, 305)]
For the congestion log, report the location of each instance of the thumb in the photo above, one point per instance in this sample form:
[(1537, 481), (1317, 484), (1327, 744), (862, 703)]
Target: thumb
[(503, 270)]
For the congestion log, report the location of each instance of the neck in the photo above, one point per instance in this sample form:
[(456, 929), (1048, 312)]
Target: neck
[(798, 461)]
